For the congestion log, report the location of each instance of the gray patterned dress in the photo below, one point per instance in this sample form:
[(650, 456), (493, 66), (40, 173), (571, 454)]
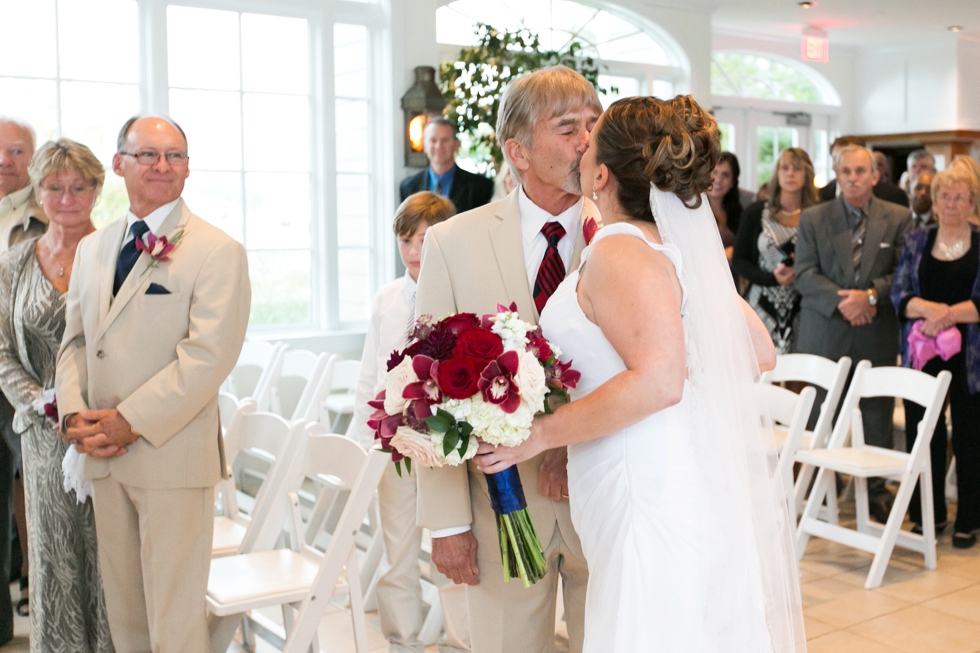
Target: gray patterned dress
[(67, 605)]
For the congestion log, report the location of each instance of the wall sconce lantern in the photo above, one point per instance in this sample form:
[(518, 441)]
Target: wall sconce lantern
[(420, 103)]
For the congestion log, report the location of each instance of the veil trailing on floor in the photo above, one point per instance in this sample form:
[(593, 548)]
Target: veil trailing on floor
[(736, 453)]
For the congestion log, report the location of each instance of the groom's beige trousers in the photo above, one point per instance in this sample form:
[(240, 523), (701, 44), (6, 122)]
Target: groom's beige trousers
[(507, 618), (155, 555)]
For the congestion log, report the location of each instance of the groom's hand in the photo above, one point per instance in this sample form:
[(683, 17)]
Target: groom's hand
[(455, 557), (553, 474)]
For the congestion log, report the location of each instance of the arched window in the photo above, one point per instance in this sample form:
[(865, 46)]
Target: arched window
[(635, 55), (753, 76)]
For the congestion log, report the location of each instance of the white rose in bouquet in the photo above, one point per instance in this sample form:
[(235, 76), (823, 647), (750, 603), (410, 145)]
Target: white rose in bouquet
[(395, 382), (412, 444), (530, 379)]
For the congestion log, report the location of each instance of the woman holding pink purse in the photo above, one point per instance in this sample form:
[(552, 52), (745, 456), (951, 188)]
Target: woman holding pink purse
[(936, 288)]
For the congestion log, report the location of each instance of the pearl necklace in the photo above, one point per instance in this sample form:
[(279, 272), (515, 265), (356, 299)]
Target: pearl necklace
[(952, 252)]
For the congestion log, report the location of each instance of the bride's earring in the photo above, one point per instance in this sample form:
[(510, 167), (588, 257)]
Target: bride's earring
[(595, 198)]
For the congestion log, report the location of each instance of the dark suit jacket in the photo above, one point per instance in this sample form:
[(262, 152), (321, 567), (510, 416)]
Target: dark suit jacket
[(884, 190), (824, 266), (468, 190)]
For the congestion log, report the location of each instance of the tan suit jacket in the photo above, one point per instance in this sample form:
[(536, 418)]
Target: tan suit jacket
[(157, 358), (471, 263)]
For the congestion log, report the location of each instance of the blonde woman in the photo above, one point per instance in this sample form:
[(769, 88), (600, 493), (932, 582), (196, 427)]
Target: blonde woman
[(938, 281), (970, 164), (765, 245), (67, 604)]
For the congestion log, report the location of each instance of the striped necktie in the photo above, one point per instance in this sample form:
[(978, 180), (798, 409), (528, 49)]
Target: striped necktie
[(552, 269), (857, 243)]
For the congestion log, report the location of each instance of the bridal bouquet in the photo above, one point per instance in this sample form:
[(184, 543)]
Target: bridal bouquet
[(464, 377)]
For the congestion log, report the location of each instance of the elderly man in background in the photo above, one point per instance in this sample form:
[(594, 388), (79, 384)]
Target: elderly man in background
[(883, 189), (443, 177), (147, 344), (918, 162), (511, 251), (20, 218), (846, 253), (922, 200)]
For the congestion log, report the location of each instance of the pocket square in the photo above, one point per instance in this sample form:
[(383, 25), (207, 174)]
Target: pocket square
[(884, 245), (157, 289)]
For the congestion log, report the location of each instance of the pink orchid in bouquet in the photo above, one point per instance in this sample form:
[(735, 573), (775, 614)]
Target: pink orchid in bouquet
[(158, 248), (464, 379)]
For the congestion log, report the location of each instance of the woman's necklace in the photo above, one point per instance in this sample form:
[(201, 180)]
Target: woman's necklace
[(952, 252)]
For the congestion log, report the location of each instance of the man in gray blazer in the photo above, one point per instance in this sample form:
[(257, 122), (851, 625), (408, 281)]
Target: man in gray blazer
[(846, 253)]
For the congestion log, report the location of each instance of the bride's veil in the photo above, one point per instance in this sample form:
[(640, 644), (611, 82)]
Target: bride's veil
[(736, 453)]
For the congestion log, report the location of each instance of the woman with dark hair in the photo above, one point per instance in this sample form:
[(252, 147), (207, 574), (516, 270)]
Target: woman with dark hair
[(765, 245), (688, 544), (724, 200)]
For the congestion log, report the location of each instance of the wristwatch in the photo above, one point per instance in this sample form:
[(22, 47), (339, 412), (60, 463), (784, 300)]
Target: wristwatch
[(872, 297)]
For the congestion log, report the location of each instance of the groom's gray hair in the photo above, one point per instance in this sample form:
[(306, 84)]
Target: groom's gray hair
[(541, 95)]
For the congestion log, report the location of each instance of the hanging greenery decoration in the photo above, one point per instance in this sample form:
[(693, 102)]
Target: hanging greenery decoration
[(474, 83)]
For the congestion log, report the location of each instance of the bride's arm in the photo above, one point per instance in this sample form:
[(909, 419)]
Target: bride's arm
[(765, 351), (631, 292)]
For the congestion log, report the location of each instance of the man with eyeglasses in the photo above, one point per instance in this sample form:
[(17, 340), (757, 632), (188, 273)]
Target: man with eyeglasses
[(148, 341), (21, 217)]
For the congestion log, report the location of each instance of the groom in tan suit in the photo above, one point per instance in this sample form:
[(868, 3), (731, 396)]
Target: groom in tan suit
[(498, 254), (146, 345)]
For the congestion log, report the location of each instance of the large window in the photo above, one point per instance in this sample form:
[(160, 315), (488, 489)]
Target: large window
[(68, 79), (275, 98), (747, 75)]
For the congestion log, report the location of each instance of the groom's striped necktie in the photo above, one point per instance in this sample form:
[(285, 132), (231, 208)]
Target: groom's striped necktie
[(552, 270)]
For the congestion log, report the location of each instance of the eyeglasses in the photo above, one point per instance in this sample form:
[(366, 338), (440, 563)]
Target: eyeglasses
[(946, 198), (75, 190), (148, 158)]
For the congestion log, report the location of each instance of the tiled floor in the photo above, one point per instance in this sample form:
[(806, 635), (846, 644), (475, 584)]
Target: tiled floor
[(914, 610)]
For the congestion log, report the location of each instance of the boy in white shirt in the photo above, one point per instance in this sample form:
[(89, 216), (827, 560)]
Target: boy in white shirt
[(392, 314)]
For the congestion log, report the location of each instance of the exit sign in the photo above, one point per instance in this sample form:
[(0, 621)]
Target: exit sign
[(816, 46)]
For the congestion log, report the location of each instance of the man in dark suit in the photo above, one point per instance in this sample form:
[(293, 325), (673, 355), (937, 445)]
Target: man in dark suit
[(846, 253), (465, 189), (884, 189)]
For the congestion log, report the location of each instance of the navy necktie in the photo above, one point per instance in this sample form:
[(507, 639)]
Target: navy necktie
[(128, 255)]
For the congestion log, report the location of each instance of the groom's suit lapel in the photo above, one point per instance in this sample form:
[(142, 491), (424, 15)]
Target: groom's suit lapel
[(508, 249), (136, 279)]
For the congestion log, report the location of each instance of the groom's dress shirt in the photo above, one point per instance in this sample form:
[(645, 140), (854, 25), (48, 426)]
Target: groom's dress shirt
[(153, 221), (533, 218)]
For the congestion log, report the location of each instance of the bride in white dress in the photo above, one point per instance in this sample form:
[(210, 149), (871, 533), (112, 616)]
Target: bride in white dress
[(682, 522)]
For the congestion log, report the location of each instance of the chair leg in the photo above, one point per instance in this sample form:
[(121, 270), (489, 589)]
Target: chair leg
[(831, 502), (928, 515), (802, 485), (861, 503), (890, 534), (221, 631), (812, 509), (356, 603)]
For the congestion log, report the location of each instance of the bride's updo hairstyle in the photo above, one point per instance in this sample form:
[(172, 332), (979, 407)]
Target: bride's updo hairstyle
[(673, 144)]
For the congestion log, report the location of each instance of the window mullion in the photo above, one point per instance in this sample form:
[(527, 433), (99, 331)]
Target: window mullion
[(153, 77)]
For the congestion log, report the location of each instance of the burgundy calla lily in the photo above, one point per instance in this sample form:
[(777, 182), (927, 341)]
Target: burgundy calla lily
[(497, 383)]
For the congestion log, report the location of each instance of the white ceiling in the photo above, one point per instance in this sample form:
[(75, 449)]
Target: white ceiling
[(848, 22)]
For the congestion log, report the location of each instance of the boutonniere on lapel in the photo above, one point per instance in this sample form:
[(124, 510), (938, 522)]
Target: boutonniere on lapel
[(158, 249), (589, 230)]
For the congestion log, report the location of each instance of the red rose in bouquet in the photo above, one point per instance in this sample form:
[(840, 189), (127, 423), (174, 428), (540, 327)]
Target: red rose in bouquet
[(459, 376), (482, 344)]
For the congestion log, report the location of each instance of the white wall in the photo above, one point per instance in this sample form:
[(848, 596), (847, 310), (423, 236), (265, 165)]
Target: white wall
[(907, 87), (968, 77)]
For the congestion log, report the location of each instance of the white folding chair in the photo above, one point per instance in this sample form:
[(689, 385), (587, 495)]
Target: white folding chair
[(260, 434), (311, 404), (227, 407), (298, 373), (864, 461), (790, 411), (301, 579), (340, 401), (250, 378), (823, 373)]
